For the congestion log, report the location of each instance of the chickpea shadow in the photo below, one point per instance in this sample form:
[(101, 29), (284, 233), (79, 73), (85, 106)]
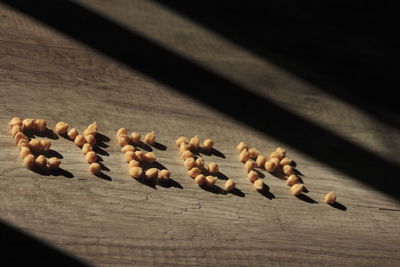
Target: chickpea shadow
[(101, 141), (338, 206), (145, 146), (265, 192), (100, 151), (104, 167), (221, 176), (260, 174), (104, 176), (306, 199), (53, 172), (278, 173), (237, 192), (215, 189), (48, 133), (160, 146), (169, 183), (210, 152), (52, 153), (148, 182)]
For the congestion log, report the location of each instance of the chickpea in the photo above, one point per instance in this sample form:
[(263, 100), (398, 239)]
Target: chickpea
[(123, 140), (133, 163), (90, 139), (194, 142), (122, 131), (152, 173), (35, 146), (135, 137), (127, 148), (23, 143), (200, 162), (72, 133), (129, 156), (184, 147), (53, 163), (135, 172), (40, 125), (41, 162), (330, 198), (139, 155), (193, 172), (200, 179), (249, 165), (211, 180), (229, 185), (86, 148), (20, 136), (253, 153), (15, 121), (276, 155), (61, 127), (244, 156), (88, 132), (79, 140), (189, 163), (25, 151), (46, 144), (180, 140), (260, 161), (271, 165), (187, 154), (288, 170), (164, 174), (208, 144), (95, 168), (93, 127), (280, 150), (150, 138), (252, 176), (213, 168), (293, 179), (285, 161), (29, 161), (297, 189), (242, 146), (14, 130), (149, 157), (91, 157), (28, 124), (258, 185)]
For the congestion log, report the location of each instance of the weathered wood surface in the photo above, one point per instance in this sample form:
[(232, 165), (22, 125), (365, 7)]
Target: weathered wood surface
[(44, 74)]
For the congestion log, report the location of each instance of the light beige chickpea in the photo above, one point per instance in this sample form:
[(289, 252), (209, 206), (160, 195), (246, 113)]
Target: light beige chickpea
[(285, 161), (23, 143), (244, 156), (20, 136), (189, 163), (211, 180), (200, 162), (61, 127), (184, 147), (53, 163), (46, 144), (193, 172), (91, 157), (25, 151), (122, 131), (135, 137), (90, 139), (40, 125), (260, 161), (330, 198), (72, 133), (187, 154), (14, 130), (152, 173), (127, 148), (280, 150), (133, 163), (41, 162), (123, 140), (29, 161), (194, 142), (276, 155), (88, 132), (150, 138), (28, 124), (129, 155), (258, 185), (86, 148), (252, 176), (164, 174), (229, 185), (94, 168), (213, 168), (35, 146), (136, 172), (149, 157), (139, 155), (180, 140), (93, 127), (200, 179), (242, 146), (297, 189), (79, 140), (208, 144), (249, 165), (253, 153), (292, 179), (15, 121), (271, 164), (288, 170)]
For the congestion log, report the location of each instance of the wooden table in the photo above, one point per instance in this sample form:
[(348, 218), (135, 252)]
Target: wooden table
[(77, 218)]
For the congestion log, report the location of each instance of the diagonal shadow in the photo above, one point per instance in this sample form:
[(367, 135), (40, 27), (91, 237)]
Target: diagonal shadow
[(19, 249), (346, 48), (187, 77)]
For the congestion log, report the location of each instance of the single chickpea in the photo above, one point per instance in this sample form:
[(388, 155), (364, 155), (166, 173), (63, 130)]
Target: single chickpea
[(93, 127), (208, 144), (149, 157), (40, 125), (72, 133), (15, 121), (213, 168), (271, 164), (280, 150), (249, 165), (35, 146), (189, 163), (127, 148), (90, 139), (136, 172), (200, 162), (152, 173), (123, 140), (253, 153), (164, 174), (193, 172), (260, 161), (276, 155), (184, 147), (244, 156), (46, 144), (139, 155), (229, 185), (94, 168), (330, 198), (86, 148), (297, 189), (258, 185), (135, 137), (241, 146), (211, 180), (25, 151), (252, 176), (14, 130), (194, 142), (292, 180), (61, 127), (53, 163), (187, 154), (122, 131), (288, 170), (285, 161), (41, 162), (180, 140), (91, 157), (28, 124), (20, 136), (133, 163), (89, 131), (79, 140), (129, 155), (200, 179), (29, 161), (150, 138), (23, 143)]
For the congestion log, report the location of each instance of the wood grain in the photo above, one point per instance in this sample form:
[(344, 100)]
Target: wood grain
[(44, 74)]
